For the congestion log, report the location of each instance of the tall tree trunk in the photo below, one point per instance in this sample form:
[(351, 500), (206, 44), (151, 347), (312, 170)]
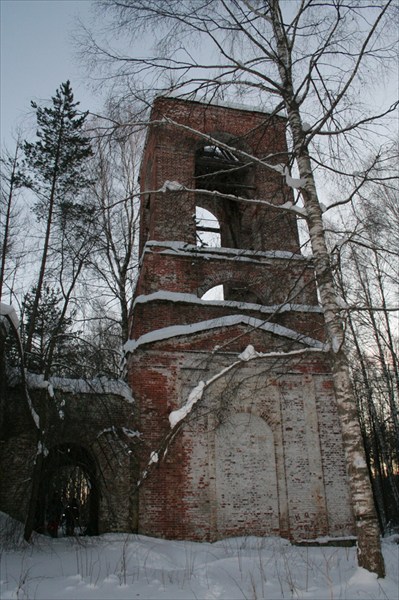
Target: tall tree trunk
[(367, 529), (7, 223)]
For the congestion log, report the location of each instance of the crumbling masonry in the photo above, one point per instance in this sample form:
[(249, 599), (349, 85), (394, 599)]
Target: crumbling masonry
[(260, 452)]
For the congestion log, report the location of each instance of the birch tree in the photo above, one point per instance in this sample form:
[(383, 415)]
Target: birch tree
[(368, 278), (313, 61), (114, 194)]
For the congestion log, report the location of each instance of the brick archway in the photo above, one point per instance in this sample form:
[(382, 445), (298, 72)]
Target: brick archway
[(69, 473)]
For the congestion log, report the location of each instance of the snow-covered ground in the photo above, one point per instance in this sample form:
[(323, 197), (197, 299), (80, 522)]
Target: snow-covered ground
[(115, 566)]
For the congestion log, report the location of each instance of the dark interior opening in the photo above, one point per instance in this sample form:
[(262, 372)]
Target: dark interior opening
[(222, 170), (68, 495)]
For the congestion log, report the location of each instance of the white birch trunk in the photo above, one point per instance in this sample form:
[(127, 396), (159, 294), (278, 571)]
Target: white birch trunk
[(367, 529)]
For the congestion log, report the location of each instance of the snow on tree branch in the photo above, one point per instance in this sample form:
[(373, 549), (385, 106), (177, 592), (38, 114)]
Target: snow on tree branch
[(175, 186)]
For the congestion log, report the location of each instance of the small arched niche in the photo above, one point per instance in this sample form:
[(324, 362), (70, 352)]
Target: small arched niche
[(246, 476)]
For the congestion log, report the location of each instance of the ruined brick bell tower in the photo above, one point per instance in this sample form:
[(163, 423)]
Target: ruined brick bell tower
[(258, 447)]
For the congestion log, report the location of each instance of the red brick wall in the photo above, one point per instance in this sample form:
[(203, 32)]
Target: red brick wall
[(206, 487), (170, 155), (181, 498)]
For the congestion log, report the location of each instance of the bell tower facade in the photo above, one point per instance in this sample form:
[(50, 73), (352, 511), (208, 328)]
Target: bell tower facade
[(226, 359)]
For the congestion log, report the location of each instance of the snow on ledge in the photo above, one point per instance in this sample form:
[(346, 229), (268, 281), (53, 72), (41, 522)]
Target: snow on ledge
[(226, 321), (235, 253), (193, 299), (171, 186), (98, 385)]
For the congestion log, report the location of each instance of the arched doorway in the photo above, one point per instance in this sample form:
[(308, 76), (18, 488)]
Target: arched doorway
[(68, 496)]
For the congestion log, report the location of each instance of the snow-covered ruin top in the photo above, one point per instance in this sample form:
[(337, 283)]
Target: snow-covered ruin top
[(8, 314), (97, 385)]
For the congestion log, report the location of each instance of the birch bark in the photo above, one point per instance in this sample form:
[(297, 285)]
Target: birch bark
[(367, 529)]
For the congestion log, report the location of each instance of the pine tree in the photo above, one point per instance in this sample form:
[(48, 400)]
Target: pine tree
[(55, 170), (49, 323)]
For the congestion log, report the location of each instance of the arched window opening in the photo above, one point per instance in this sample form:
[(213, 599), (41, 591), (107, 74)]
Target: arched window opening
[(221, 170), (68, 498), (233, 291), (208, 228), (215, 293)]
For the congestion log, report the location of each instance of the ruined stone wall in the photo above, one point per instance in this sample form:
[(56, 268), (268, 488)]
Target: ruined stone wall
[(93, 423)]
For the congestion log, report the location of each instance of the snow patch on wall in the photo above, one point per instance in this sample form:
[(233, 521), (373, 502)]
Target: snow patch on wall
[(358, 461), (195, 395), (41, 449), (248, 354), (171, 186), (154, 458)]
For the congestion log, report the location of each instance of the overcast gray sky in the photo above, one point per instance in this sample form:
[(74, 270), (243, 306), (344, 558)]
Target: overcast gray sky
[(37, 55)]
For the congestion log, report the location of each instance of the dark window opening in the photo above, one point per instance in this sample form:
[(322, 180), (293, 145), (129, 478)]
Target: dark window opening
[(240, 293), (222, 170)]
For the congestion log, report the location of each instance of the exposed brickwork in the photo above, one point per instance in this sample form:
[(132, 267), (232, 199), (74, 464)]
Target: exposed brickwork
[(170, 156), (196, 492), (261, 453)]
